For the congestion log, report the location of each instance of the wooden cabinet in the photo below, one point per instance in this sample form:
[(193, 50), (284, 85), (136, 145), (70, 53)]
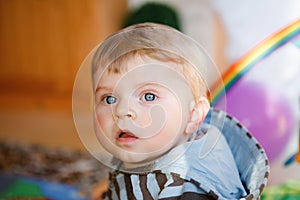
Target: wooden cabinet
[(43, 42)]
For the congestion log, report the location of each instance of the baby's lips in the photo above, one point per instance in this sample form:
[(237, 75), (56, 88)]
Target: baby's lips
[(126, 134), (142, 133), (126, 137)]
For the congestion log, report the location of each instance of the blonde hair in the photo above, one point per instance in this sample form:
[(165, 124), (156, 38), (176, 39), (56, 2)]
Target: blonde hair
[(150, 40)]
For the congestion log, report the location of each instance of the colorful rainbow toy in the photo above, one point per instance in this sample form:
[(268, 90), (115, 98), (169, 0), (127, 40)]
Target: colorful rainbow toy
[(258, 53), (250, 59)]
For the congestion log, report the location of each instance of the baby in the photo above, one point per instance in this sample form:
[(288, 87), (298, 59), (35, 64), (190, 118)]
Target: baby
[(149, 102)]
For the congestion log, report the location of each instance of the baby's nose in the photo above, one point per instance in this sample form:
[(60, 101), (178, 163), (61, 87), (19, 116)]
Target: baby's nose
[(124, 110)]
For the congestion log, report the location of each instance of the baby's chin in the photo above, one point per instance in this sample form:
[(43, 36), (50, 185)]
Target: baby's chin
[(133, 160)]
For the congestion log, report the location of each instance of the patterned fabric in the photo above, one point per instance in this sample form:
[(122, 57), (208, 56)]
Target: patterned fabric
[(137, 187), (227, 165)]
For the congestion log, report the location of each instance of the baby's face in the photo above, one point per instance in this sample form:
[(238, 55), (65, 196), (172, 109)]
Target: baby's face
[(142, 113)]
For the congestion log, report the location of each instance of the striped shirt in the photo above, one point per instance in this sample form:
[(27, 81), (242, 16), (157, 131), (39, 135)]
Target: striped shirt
[(155, 185)]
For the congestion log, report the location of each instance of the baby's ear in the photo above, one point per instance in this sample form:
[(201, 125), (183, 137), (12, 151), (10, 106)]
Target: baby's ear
[(198, 112)]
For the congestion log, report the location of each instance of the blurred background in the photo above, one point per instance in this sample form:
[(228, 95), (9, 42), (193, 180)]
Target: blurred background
[(42, 46), (44, 42)]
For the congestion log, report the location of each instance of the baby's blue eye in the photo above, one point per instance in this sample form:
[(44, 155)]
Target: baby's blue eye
[(149, 97), (110, 100)]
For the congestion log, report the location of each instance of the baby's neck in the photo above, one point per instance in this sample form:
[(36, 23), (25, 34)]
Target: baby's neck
[(139, 167)]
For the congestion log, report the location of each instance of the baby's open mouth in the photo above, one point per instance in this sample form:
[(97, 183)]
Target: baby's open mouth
[(126, 136)]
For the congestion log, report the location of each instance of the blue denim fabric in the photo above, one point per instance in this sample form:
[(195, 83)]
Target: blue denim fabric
[(250, 157)]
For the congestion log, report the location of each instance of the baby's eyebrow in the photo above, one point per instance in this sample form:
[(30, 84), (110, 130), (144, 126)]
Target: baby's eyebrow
[(103, 88)]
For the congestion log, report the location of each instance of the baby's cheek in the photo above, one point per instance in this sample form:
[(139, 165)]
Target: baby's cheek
[(103, 117)]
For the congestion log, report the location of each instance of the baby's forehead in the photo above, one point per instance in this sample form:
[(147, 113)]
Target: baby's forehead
[(139, 64), (152, 70)]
